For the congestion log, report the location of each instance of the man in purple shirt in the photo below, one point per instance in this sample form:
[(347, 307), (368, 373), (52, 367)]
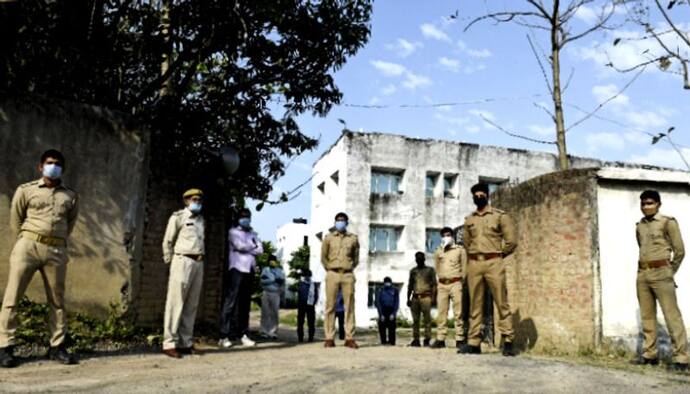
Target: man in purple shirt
[(244, 245)]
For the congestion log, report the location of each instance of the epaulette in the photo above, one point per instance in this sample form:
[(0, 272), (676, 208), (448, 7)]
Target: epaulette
[(32, 183), (499, 210)]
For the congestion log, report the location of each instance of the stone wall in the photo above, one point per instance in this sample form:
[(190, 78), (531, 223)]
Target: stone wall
[(106, 163), (553, 276)]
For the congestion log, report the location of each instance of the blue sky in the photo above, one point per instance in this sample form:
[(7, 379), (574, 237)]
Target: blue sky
[(419, 56)]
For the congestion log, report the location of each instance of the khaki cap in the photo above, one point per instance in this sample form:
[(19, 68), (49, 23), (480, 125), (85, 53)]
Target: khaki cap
[(192, 192)]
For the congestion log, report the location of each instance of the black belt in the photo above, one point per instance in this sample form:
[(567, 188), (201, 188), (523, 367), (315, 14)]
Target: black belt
[(340, 270)]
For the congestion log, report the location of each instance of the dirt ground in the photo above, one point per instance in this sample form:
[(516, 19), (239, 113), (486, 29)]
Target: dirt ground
[(289, 367)]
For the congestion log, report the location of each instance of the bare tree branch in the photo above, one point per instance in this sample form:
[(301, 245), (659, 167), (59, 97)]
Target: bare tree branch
[(502, 17), (541, 66), (601, 24), (670, 22), (603, 103)]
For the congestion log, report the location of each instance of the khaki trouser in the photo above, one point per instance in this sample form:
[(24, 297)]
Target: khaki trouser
[(270, 309), (184, 289), (657, 284), (421, 308), (451, 292), (27, 257), (493, 273), (346, 282)]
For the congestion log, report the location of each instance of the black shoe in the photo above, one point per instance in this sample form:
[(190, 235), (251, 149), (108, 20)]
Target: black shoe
[(508, 349), (469, 349), (61, 355), (427, 342), (7, 359), (438, 344), (646, 361), (311, 339), (677, 367), (415, 343), (463, 349), (460, 344)]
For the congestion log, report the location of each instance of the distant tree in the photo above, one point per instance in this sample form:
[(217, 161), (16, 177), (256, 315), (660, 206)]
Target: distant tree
[(553, 20), (299, 261)]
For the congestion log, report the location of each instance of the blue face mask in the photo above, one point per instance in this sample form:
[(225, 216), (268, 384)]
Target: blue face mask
[(195, 207), (340, 225), (52, 171), (245, 222)]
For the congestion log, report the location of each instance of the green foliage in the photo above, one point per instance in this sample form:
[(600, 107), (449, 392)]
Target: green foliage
[(84, 332), (240, 73), (299, 261)]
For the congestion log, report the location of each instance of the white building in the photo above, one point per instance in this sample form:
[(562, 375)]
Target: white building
[(289, 238), (399, 192)]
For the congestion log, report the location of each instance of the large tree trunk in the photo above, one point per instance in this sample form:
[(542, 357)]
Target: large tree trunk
[(167, 46)]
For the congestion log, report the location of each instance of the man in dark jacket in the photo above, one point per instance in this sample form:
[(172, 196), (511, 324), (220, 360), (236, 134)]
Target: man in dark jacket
[(387, 302), (307, 297)]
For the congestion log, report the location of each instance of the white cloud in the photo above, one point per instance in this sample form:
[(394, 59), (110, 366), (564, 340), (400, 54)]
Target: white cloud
[(586, 14), (388, 69), (542, 130), (473, 128), (413, 81), (389, 90), (637, 137), (479, 53), (374, 100), (404, 48), (645, 119), (599, 141), (662, 157), (473, 69), (462, 45), (433, 32), (451, 64), (605, 92)]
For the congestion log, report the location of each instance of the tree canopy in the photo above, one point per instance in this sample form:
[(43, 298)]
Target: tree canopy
[(237, 72)]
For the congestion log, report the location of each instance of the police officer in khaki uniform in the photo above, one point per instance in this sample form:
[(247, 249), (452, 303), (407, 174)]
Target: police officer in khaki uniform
[(489, 236), (43, 214), (183, 249), (339, 257), (661, 252), (421, 291), (450, 260)]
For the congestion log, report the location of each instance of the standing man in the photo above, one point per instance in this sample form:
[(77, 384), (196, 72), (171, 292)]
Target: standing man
[(183, 250), (661, 253), (42, 215), (387, 304), (339, 257), (421, 291), (307, 297), (244, 245), (272, 282), (450, 260), (489, 236)]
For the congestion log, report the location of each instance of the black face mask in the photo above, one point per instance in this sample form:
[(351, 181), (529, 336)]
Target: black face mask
[(480, 202)]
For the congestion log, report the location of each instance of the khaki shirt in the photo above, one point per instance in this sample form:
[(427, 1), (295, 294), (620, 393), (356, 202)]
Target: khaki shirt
[(659, 238), (340, 251), (184, 235), (491, 231), (49, 211), (450, 262), (422, 280)]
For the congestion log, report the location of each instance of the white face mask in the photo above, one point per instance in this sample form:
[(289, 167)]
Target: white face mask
[(447, 241)]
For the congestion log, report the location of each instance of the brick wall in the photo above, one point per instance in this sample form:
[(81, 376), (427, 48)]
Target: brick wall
[(165, 197), (551, 279)]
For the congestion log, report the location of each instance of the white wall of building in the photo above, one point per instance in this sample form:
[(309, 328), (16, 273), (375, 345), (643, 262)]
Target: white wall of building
[(618, 212)]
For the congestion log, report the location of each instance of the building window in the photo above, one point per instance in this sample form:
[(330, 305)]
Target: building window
[(494, 183), (384, 238), (449, 181), (433, 240), (335, 177), (431, 181), (322, 187), (319, 235), (386, 182), (374, 288)]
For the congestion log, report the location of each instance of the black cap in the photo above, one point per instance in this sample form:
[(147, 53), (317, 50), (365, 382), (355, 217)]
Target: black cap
[(480, 187)]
